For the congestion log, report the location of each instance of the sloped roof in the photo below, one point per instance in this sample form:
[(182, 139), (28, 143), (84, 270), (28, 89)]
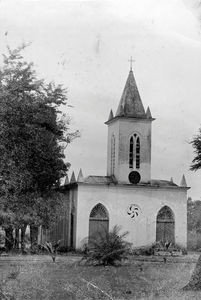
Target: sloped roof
[(99, 179), (157, 182), (130, 104), (112, 180), (107, 180)]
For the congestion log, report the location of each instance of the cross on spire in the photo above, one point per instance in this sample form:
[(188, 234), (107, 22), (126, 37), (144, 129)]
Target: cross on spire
[(131, 60)]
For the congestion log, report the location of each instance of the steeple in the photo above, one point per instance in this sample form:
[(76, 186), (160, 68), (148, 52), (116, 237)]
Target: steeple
[(129, 137), (130, 104)]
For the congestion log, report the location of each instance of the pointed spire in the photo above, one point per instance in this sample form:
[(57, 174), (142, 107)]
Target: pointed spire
[(66, 180), (111, 116), (183, 182), (130, 103), (72, 180), (80, 177), (148, 113)]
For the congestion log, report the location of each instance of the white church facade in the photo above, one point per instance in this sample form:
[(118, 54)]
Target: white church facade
[(151, 210)]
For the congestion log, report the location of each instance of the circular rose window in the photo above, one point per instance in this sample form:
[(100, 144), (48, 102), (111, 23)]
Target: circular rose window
[(134, 177)]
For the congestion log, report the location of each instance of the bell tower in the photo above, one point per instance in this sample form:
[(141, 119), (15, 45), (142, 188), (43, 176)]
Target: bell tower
[(129, 138)]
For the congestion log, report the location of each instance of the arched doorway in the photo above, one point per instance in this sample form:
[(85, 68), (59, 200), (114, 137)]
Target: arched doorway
[(165, 225), (98, 220)]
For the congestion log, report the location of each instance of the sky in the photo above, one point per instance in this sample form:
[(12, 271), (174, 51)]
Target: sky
[(85, 45)]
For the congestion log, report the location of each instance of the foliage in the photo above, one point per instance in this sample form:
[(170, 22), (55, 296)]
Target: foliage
[(33, 135), (52, 248), (196, 143), (194, 215), (147, 250), (106, 248), (159, 248), (64, 249)]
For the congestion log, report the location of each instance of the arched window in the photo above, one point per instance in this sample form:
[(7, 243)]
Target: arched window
[(98, 221), (137, 157), (112, 154), (165, 213), (99, 212), (165, 225), (131, 153), (134, 151)]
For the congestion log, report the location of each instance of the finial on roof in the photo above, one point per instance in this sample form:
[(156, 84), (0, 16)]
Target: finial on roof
[(80, 177), (66, 180), (183, 182), (171, 180), (131, 60), (121, 111), (111, 116), (72, 180), (148, 113)]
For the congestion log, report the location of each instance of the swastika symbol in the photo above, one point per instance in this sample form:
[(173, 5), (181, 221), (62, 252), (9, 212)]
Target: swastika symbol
[(133, 211)]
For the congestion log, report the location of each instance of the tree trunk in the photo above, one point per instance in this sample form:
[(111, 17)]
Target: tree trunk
[(9, 240), (17, 237), (195, 280), (23, 230), (33, 236)]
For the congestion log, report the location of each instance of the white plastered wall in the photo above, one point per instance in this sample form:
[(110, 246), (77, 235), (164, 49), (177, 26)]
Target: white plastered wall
[(116, 199)]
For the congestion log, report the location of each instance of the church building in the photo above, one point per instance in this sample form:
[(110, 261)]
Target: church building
[(151, 210)]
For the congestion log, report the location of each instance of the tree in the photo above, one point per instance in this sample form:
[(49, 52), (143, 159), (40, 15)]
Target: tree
[(194, 215), (196, 143), (33, 134), (195, 280)]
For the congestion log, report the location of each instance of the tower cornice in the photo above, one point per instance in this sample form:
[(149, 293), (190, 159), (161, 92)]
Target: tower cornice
[(136, 119)]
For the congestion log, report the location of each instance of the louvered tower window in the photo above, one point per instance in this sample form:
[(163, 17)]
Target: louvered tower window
[(137, 153), (131, 153), (134, 152), (113, 154)]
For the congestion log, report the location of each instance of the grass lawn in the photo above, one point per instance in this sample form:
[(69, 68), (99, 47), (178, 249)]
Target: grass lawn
[(37, 277)]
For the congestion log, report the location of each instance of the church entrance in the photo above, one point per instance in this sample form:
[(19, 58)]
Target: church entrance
[(98, 221), (165, 225)]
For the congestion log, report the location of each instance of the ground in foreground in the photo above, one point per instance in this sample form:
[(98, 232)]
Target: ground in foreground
[(37, 277)]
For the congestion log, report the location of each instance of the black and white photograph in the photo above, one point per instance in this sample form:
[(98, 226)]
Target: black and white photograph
[(100, 149)]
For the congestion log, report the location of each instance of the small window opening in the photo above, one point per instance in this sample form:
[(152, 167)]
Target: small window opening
[(113, 154), (138, 153), (131, 153)]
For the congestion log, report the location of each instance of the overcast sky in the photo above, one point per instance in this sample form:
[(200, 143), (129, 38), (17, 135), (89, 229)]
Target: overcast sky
[(86, 46)]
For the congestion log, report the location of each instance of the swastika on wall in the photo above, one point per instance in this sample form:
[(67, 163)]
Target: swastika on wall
[(133, 210)]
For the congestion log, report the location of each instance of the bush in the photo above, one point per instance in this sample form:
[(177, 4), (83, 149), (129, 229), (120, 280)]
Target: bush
[(106, 248), (51, 248), (146, 250), (179, 248), (158, 247), (64, 249)]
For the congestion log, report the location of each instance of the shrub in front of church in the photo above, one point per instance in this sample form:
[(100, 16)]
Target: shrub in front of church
[(145, 251), (107, 248)]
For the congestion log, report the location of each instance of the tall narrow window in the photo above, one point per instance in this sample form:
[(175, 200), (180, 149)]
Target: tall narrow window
[(112, 154), (137, 153), (131, 153)]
